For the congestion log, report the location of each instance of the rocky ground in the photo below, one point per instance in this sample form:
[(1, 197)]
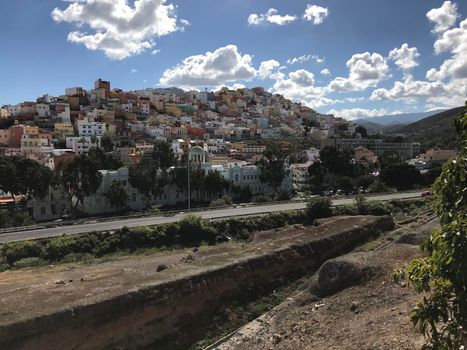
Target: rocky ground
[(351, 303)]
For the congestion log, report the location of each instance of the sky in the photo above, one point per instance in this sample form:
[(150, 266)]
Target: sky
[(352, 58)]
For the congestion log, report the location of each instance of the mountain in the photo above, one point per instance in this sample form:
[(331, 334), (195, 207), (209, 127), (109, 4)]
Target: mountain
[(438, 129), (370, 126), (401, 119)]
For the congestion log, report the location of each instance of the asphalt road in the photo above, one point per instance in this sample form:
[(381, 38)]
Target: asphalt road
[(156, 220)]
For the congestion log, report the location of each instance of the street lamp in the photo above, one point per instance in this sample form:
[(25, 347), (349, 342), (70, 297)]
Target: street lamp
[(188, 172)]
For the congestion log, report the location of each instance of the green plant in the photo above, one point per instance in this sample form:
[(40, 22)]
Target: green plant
[(319, 208), (442, 275)]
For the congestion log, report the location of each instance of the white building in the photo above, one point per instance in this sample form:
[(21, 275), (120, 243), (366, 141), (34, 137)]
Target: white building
[(86, 128), (82, 145)]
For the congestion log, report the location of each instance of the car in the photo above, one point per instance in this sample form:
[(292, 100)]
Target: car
[(426, 194)]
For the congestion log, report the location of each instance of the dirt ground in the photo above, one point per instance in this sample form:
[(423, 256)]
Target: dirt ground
[(67, 285), (370, 316)]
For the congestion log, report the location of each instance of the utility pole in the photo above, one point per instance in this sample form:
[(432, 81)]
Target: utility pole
[(189, 185)]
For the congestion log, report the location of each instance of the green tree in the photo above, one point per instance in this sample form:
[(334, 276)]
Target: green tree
[(79, 178), (336, 162), (104, 161), (148, 179), (117, 195), (442, 275), (107, 143), (163, 155), (389, 158), (402, 176), (272, 166), (22, 176), (362, 131), (214, 184), (345, 184), (317, 172), (364, 181)]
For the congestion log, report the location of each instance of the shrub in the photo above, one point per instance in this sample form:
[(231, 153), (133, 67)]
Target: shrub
[(284, 195), (262, 198), (220, 202), (15, 251), (318, 208), (28, 262)]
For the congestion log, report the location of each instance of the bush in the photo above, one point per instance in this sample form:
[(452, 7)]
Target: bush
[(28, 262), (14, 218), (263, 198), (318, 208), (15, 251), (284, 195), (379, 187), (220, 202)]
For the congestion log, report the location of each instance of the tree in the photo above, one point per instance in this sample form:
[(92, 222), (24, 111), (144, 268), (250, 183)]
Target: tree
[(22, 176), (319, 208), (104, 161), (317, 173), (272, 166), (107, 144), (117, 195), (336, 162), (362, 131), (143, 178), (163, 155), (308, 124), (214, 183), (345, 183), (442, 315), (401, 176), (79, 178), (364, 181), (389, 158)]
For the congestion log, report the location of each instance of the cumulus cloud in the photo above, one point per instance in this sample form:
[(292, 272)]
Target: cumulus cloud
[(365, 70), (315, 14), (447, 85), (271, 16), (357, 113), (409, 88), (299, 86), (405, 57), (305, 58), (444, 17), (326, 72), (134, 70), (117, 28), (453, 41), (224, 65), (266, 68)]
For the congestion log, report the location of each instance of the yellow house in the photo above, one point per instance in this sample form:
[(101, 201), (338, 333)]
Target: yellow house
[(63, 130), (173, 109)]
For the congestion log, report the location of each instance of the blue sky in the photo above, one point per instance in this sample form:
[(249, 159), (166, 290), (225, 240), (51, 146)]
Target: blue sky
[(346, 66)]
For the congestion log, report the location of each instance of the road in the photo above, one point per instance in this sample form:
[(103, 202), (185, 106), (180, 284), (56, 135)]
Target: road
[(156, 220)]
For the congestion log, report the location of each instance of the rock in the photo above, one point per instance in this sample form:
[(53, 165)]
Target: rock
[(195, 250), (59, 282), (343, 272), (353, 306), (161, 267), (276, 338)]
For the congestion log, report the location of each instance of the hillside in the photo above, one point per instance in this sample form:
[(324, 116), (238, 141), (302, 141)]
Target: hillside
[(438, 129), (401, 119)]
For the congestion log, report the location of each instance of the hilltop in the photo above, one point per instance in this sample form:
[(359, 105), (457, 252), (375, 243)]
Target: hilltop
[(438, 129)]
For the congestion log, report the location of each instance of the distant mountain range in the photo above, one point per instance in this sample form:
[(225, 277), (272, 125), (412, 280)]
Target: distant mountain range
[(438, 129), (397, 119)]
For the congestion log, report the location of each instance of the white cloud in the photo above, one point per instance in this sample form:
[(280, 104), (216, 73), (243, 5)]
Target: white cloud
[(118, 29), (357, 113), (326, 72), (299, 86), (444, 17), (315, 14), (409, 88), (155, 52), (266, 68), (225, 65), (271, 16), (447, 85), (305, 58), (134, 70), (405, 57), (365, 70), (453, 41)]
